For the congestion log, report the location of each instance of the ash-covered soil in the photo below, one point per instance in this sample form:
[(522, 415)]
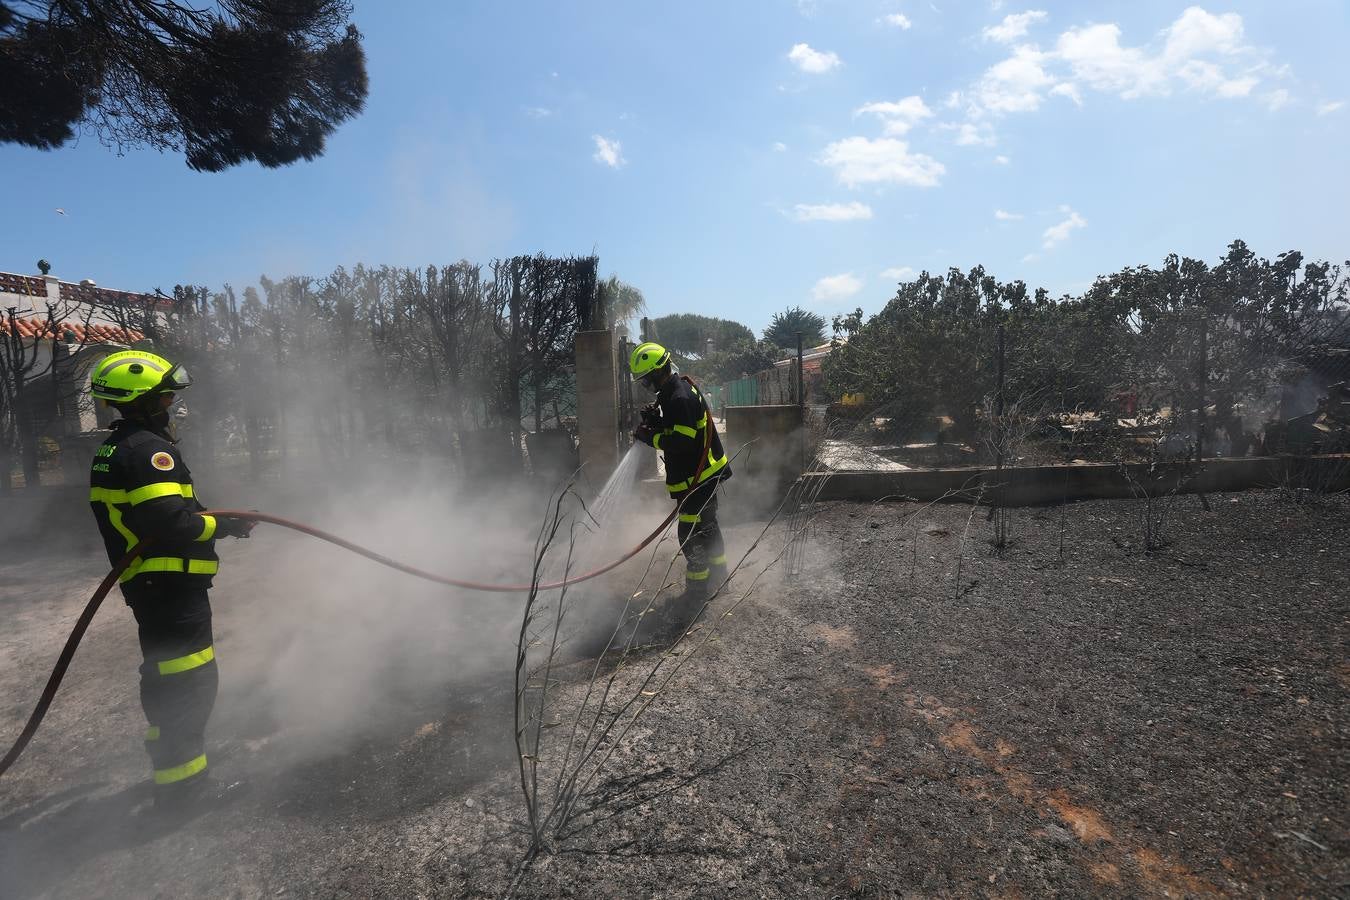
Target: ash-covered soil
[(910, 715)]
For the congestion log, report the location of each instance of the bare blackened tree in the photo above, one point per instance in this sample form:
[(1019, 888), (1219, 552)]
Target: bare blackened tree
[(375, 360), (452, 302), (224, 82), (539, 304), (32, 352), (1005, 429)]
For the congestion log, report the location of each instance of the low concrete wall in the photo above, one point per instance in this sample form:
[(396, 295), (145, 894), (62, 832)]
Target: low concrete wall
[(765, 441), (765, 446), (1042, 485)]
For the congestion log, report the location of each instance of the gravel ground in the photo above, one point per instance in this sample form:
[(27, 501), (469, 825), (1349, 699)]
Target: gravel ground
[(910, 715)]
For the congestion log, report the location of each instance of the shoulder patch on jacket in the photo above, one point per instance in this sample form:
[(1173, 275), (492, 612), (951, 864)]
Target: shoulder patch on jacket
[(162, 461)]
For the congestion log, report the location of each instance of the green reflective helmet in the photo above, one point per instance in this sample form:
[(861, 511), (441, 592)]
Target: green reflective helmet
[(647, 358), (125, 376)]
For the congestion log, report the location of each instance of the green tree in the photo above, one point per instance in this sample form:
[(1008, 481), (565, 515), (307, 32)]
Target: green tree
[(744, 358), (688, 333), (1253, 323), (782, 330), (223, 82)]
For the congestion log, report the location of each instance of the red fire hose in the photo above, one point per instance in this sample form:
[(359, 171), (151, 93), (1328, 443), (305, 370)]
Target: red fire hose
[(87, 616)]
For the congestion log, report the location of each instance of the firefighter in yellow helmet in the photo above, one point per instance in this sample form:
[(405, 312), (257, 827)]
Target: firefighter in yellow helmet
[(680, 425), (140, 487)]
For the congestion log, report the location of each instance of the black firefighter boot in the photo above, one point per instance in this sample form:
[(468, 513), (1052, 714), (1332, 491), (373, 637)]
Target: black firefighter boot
[(687, 608)]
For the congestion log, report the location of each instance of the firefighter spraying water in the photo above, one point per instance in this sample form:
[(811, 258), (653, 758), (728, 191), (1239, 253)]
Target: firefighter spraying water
[(679, 424)]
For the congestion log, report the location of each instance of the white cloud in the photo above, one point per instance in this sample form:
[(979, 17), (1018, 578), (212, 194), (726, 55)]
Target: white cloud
[(1197, 32), (1005, 216), (1057, 234), (1068, 89), (899, 116), (836, 287), (812, 61), (968, 134), (897, 273), (1014, 84), (1096, 58), (1208, 78), (899, 20), (607, 152), (859, 160), (1276, 99), (831, 212), (1199, 52), (779, 147), (1326, 109), (538, 112), (1014, 26), (1002, 160)]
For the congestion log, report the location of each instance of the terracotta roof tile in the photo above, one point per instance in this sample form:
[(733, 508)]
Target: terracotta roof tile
[(72, 332)]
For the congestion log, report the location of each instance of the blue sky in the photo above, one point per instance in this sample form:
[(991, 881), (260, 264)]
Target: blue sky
[(735, 158)]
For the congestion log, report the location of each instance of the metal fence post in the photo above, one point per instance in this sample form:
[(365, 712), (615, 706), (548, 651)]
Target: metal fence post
[(625, 396), (1203, 379), (998, 400), (801, 397)]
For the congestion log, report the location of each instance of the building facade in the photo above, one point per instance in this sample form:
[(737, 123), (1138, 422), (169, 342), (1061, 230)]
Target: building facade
[(52, 332)]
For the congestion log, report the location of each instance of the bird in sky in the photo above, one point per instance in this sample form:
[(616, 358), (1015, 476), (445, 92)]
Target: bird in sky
[(60, 210)]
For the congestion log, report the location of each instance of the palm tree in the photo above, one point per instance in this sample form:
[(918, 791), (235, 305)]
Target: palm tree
[(782, 331), (620, 304)]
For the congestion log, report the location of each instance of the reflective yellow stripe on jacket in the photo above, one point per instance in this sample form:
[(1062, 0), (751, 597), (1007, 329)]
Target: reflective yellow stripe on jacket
[(141, 494), (113, 497), (171, 564), (712, 468)]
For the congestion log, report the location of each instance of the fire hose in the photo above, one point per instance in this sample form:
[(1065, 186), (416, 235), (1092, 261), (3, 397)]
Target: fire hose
[(90, 608)]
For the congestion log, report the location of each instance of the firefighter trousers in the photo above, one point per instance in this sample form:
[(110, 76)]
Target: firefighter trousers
[(705, 553), (179, 677)]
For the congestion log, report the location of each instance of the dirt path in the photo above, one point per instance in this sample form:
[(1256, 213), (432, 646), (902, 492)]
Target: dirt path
[(1106, 725)]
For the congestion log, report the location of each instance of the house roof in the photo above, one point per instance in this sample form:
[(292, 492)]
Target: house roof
[(36, 286), (808, 355), (72, 332)]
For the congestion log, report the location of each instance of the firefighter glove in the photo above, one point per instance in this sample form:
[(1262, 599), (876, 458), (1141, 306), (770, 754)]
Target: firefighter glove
[(650, 415), (644, 433), (236, 528)]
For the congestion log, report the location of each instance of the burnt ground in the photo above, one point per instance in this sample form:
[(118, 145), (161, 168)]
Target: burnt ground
[(1096, 722)]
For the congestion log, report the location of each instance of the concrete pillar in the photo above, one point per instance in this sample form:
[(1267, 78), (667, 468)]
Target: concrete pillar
[(597, 406)]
